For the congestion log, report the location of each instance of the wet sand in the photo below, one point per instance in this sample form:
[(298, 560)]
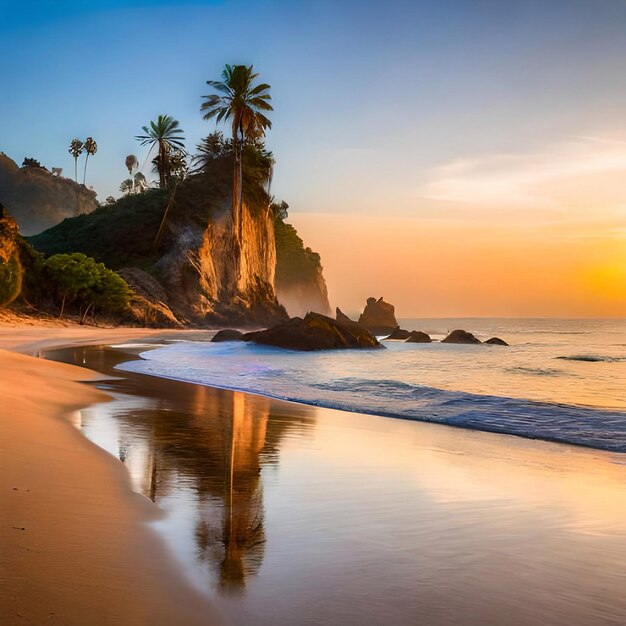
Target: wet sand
[(75, 543), (287, 514)]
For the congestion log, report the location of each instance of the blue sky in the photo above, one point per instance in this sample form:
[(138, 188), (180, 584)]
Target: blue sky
[(479, 111)]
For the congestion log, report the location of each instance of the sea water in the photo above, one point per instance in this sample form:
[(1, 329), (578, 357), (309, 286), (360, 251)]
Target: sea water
[(559, 380)]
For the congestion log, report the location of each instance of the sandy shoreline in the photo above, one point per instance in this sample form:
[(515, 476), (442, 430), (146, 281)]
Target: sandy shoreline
[(74, 546)]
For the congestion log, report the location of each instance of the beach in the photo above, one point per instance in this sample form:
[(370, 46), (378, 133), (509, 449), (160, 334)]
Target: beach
[(273, 512), (75, 543)]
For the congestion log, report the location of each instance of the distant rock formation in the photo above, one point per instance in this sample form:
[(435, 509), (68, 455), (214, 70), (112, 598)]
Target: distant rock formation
[(342, 318), (10, 265), (379, 317), (314, 332), (460, 336), (228, 334), (399, 333), (299, 282), (148, 305), (39, 199), (496, 341), (417, 336)]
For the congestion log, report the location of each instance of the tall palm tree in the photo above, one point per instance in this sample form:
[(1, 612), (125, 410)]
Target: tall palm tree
[(165, 134), (76, 149), (91, 147), (242, 103)]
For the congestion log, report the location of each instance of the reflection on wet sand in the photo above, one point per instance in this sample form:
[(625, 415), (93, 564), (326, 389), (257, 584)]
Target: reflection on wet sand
[(288, 514), (214, 441)]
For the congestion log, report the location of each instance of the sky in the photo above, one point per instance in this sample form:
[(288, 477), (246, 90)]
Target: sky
[(459, 158)]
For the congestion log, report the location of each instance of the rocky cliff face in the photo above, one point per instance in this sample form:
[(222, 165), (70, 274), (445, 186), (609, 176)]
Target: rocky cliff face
[(199, 270), (39, 200), (10, 264), (300, 284)]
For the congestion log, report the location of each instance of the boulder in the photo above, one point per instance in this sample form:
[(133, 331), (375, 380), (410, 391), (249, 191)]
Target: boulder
[(399, 333), (228, 334), (460, 336), (148, 304), (314, 332), (379, 317), (417, 336), (496, 341)]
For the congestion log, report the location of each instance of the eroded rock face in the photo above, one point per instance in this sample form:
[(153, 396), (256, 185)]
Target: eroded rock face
[(39, 200), (399, 333), (342, 318), (314, 332), (460, 336), (417, 336), (148, 305), (10, 265), (379, 317), (496, 341), (206, 279)]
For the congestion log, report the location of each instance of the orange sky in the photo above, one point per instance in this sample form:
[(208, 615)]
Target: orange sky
[(530, 235)]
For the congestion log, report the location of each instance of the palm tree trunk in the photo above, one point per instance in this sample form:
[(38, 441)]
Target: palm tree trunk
[(76, 168), (161, 165), (85, 172)]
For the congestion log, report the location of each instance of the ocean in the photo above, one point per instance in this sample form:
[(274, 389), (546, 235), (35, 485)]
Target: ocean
[(560, 380)]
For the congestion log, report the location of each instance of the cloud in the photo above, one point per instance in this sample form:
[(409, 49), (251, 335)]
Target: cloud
[(582, 173)]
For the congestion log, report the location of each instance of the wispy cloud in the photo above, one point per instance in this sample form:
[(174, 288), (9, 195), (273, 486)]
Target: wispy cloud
[(584, 171)]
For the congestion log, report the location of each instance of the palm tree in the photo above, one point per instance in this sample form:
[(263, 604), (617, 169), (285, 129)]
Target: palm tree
[(127, 186), (76, 149), (165, 134), (91, 147), (243, 103)]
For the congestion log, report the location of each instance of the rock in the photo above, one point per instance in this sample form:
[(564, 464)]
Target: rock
[(148, 305), (228, 334), (496, 341), (11, 269), (399, 333), (417, 336), (342, 318), (314, 332), (39, 199), (460, 336), (379, 317)]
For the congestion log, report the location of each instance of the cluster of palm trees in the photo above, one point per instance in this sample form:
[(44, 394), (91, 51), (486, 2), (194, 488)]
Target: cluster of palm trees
[(77, 147), (237, 100)]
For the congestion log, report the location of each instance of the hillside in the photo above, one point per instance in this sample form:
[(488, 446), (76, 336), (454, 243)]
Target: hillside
[(37, 199)]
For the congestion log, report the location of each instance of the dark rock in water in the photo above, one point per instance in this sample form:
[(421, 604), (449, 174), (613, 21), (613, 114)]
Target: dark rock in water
[(379, 317), (399, 333), (460, 336), (228, 334), (314, 332), (496, 341), (342, 318), (417, 336)]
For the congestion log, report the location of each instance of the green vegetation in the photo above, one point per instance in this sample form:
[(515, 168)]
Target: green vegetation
[(294, 263), (90, 147), (10, 280), (79, 281), (166, 135), (118, 235), (242, 103)]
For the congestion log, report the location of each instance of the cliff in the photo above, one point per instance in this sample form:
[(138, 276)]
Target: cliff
[(10, 265), (39, 200), (300, 284)]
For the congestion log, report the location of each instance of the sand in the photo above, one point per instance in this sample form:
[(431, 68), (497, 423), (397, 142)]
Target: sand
[(75, 547)]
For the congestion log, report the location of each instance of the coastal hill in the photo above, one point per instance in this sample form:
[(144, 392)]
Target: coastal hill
[(37, 199), (181, 240)]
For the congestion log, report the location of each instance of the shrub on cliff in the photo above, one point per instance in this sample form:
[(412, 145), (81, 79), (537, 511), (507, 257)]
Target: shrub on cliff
[(294, 262)]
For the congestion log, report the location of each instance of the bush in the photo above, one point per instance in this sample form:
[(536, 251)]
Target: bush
[(79, 282)]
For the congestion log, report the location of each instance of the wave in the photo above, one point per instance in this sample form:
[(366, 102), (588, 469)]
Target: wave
[(592, 358), (298, 378)]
